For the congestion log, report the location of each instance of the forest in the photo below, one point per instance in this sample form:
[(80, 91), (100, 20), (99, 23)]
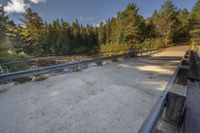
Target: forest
[(36, 37)]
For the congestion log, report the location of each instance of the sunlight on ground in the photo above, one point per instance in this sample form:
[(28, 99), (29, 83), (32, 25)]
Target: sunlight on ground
[(148, 68), (152, 68), (54, 93)]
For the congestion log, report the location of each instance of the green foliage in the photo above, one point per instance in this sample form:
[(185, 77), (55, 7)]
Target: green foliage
[(3, 30), (127, 30), (33, 32), (166, 21), (10, 57), (194, 21), (108, 48), (183, 25), (194, 17)]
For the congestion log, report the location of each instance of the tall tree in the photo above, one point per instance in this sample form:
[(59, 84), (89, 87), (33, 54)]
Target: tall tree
[(166, 23), (184, 29), (131, 24), (195, 20), (33, 32)]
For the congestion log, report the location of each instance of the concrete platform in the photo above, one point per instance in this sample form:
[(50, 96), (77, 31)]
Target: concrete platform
[(114, 98)]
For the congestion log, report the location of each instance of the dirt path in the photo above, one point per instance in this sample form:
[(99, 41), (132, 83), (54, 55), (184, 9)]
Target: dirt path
[(115, 98)]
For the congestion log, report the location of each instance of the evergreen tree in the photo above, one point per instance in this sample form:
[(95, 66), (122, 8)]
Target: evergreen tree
[(183, 19), (33, 32), (166, 23), (194, 20)]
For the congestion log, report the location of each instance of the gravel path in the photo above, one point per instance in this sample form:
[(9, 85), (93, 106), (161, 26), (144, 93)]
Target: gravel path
[(114, 98)]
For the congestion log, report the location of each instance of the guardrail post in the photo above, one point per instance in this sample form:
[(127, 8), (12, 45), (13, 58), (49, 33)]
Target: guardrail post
[(76, 69), (133, 52), (176, 98), (99, 63)]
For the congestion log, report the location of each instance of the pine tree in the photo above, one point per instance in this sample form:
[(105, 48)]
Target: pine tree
[(194, 20), (166, 21), (33, 32), (183, 19), (195, 16)]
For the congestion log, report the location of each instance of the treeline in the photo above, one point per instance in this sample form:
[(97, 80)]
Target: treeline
[(165, 27), (128, 29), (37, 37)]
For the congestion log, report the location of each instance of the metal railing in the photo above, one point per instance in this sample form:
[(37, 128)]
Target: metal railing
[(42, 70), (152, 119)]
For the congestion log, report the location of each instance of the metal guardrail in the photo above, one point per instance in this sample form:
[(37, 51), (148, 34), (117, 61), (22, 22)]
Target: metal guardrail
[(42, 70), (152, 119)]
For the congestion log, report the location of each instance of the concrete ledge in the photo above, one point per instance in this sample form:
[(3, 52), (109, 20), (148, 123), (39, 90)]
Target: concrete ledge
[(182, 74), (175, 106)]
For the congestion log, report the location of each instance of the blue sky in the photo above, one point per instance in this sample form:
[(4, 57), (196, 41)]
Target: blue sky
[(86, 11)]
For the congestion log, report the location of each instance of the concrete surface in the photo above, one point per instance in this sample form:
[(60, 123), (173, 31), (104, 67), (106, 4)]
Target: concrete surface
[(114, 98)]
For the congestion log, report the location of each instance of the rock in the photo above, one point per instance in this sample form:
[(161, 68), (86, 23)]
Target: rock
[(76, 69), (40, 77)]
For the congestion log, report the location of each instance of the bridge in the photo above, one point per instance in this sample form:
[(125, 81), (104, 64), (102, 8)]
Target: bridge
[(114, 98)]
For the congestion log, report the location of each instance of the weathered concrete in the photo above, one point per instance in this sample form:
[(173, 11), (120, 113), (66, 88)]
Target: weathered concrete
[(175, 107), (115, 98)]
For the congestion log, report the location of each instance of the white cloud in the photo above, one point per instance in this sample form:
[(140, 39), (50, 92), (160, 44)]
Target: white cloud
[(17, 6), (37, 1)]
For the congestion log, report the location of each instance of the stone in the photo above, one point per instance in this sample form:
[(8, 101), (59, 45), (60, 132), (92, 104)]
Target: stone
[(40, 77), (76, 69)]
